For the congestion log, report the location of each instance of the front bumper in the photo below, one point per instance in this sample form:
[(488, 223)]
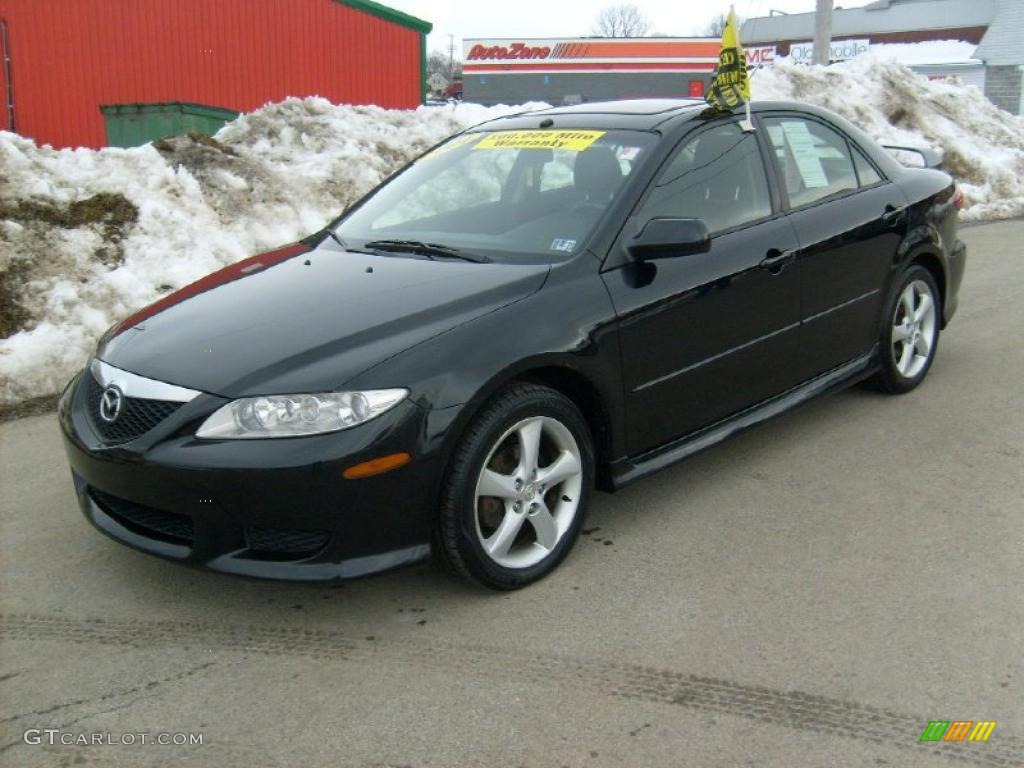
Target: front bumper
[(275, 508)]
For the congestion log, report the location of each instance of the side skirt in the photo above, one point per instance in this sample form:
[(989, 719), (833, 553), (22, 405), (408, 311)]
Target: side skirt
[(629, 470)]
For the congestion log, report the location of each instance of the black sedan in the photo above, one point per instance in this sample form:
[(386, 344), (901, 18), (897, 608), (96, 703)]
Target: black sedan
[(542, 305)]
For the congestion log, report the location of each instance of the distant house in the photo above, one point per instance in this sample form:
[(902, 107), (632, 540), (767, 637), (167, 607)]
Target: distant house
[(437, 83)]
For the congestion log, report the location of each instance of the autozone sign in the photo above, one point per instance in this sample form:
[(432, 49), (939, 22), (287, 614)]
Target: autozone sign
[(589, 54), (508, 52)]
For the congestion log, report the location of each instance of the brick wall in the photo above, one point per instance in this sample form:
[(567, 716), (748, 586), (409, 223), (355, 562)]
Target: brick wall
[(1003, 85)]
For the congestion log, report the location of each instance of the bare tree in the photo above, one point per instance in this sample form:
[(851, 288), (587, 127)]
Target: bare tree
[(716, 26), (621, 21), (442, 63)]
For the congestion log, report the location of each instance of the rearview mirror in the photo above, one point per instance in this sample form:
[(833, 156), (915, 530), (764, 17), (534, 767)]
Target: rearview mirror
[(666, 238)]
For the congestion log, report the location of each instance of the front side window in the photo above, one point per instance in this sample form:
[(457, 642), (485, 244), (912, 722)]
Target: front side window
[(717, 176), (511, 195), (814, 160)]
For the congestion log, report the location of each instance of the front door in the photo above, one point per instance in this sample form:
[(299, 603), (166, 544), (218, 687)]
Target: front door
[(706, 335)]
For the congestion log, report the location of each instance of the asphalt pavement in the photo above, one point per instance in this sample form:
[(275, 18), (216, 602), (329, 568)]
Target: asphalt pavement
[(811, 593)]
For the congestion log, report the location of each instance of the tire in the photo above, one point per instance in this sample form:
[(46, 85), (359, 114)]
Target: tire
[(501, 525), (907, 346)]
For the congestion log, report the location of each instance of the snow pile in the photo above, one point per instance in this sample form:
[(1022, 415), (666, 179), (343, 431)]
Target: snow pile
[(927, 52), (982, 145), (87, 237)]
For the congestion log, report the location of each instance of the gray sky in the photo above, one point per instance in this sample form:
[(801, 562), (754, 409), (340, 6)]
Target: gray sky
[(558, 18)]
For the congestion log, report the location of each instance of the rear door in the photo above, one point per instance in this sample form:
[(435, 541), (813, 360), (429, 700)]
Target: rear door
[(706, 335), (849, 221)]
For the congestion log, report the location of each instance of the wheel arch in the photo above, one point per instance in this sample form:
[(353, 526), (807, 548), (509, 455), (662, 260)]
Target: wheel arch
[(564, 378), (930, 261)]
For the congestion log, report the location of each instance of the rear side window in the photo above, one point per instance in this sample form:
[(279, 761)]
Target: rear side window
[(865, 171), (814, 160), (717, 176)]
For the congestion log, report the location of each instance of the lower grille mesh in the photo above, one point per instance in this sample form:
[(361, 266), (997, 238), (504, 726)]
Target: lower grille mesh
[(286, 541), (154, 523)]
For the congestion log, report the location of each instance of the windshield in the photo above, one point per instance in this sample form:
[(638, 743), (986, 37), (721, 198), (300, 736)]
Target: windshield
[(503, 194)]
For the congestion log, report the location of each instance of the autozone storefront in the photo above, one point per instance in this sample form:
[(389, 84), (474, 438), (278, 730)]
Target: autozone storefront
[(578, 70)]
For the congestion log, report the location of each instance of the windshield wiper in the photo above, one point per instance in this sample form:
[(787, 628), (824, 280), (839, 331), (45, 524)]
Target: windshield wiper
[(334, 236), (430, 250)]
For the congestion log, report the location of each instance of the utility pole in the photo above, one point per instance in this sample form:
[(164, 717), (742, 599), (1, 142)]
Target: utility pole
[(451, 57), (822, 31)]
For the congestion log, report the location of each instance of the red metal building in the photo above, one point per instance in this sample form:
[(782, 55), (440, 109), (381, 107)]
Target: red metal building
[(61, 59)]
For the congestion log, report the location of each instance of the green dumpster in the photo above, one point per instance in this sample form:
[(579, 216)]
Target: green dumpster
[(129, 125)]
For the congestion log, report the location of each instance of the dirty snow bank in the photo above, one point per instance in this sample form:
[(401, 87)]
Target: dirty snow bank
[(87, 237), (982, 145)]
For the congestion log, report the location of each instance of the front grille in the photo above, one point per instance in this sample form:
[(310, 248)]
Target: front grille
[(146, 521), (286, 541), (137, 416)]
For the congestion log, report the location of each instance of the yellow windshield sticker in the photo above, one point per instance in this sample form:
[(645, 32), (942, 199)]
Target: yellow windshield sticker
[(458, 141), (575, 141)]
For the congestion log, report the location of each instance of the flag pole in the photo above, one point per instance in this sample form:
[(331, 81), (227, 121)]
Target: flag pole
[(730, 83), (746, 124)]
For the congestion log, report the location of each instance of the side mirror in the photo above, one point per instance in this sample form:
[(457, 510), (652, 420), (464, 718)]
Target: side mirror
[(666, 238)]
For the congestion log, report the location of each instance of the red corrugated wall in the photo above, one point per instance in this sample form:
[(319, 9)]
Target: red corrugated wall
[(70, 56)]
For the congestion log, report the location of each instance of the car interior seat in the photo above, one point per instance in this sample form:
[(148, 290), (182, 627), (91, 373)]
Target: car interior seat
[(597, 174)]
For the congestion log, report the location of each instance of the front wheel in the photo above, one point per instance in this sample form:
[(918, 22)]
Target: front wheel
[(518, 488), (910, 335)]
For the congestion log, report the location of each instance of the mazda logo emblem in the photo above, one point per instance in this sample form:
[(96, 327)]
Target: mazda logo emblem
[(110, 404)]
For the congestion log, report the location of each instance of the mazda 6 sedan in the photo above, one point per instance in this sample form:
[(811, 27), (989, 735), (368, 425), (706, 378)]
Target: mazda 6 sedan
[(545, 304)]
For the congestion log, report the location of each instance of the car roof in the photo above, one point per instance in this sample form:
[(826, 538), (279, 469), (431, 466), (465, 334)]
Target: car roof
[(665, 115), (635, 114)]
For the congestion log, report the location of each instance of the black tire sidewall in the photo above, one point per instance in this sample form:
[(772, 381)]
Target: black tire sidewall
[(458, 510), (891, 378)]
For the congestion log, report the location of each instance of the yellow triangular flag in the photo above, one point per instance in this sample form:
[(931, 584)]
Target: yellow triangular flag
[(730, 86)]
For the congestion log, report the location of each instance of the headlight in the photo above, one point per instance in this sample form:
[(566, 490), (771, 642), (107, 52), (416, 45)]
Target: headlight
[(295, 415)]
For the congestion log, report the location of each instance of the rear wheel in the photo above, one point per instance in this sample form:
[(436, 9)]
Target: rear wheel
[(910, 335), (518, 488)]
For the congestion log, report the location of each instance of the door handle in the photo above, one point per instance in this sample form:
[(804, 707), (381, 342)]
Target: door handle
[(776, 260), (892, 215)]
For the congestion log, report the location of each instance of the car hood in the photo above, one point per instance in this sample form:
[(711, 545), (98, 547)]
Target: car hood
[(307, 320)]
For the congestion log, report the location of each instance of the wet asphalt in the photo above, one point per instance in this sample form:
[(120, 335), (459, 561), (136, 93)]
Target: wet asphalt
[(812, 593)]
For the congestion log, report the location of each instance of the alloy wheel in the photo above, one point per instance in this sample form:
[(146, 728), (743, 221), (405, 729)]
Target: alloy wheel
[(914, 329), (528, 492)]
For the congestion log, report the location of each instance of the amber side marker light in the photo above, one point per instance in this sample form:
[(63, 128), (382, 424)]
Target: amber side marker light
[(377, 466)]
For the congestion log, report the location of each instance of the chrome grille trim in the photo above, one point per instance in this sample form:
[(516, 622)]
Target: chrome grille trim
[(133, 385)]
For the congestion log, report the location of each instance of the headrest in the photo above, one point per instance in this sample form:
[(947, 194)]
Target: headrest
[(597, 173)]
